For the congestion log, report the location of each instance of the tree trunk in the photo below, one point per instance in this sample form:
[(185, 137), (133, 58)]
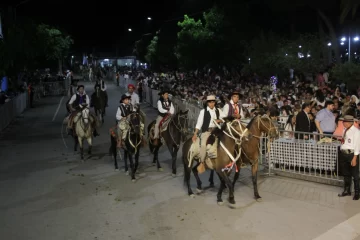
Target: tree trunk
[(334, 40), (60, 66)]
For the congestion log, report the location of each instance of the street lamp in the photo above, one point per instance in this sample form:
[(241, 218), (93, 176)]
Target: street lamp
[(149, 18), (356, 39), (343, 39), (129, 29), (349, 39), (329, 44)]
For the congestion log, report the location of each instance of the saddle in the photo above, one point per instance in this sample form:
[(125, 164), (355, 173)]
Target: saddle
[(164, 123)]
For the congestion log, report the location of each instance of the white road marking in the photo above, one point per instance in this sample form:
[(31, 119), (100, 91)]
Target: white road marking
[(347, 230), (58, 108)]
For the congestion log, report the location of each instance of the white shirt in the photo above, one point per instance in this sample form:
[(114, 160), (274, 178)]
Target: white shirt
[(73, 98), (162, 110), (212, 112), (134, 98), (226, 109), (126, 76), (352, 140), (118, 113)]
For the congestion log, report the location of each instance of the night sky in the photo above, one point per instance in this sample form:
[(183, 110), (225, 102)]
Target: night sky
[(102, 24)]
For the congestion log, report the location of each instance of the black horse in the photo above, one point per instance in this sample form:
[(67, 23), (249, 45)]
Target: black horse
[(176, 132), (132, 144)]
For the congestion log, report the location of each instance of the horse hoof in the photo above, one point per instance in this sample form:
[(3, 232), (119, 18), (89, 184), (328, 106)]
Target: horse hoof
[(153, 164), (232, 205), (258, 199), (220, 203), (160, 169), (116, 169), (212, 185), (192, 195), (173, 175), (199, 190), (133, 180), (127, 173)]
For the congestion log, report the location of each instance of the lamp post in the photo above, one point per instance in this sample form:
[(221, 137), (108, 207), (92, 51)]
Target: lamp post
[(343, 39)]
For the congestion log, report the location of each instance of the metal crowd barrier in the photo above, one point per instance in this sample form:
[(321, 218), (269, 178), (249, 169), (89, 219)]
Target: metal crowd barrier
[(12, 109)]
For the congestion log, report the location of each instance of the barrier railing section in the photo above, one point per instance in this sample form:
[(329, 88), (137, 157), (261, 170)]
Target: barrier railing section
[(309, 154), (11, 109)]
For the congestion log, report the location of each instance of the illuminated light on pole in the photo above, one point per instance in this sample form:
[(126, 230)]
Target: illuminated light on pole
[(300, 46), (129, 29), (356, 38), (343, 39), (149, 18), (342, 43), (329, 44)]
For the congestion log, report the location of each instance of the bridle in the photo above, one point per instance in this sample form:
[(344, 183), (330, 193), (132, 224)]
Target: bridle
[(128, 120), (261, 121), (85, 116), (181, 128)]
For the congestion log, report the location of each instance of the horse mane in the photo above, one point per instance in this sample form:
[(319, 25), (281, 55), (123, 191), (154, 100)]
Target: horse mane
[(251, 122)]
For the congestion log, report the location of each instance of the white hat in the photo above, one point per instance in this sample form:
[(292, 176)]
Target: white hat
[(211, 98)]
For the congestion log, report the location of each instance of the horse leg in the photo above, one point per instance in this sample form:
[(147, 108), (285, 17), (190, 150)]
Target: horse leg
[(156, 158), (89, 140), (76, 142), (81, 147), (125, 162), (254, 170), (187, 172), (114, 151), (132, 167), (211, 179), (221, 189), (228, 183), (236, 176), (196, 174), (137, 154), (174, 158)]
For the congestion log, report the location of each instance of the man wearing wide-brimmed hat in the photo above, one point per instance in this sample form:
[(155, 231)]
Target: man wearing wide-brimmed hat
[(349, 156), (165, 109), (233, 107), (205, 123), (124, 110)]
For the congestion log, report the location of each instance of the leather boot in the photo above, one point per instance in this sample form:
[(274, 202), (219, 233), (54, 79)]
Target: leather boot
[(356, 189), (347, 191)]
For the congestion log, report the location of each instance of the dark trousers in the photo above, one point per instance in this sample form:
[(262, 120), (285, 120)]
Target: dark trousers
[(349, 171), (31, 99)]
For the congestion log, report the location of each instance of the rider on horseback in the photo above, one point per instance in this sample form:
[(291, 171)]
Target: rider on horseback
[(103, 88), (76, 103), (124, 110), (206, 124), (234, 107), (165, 109)]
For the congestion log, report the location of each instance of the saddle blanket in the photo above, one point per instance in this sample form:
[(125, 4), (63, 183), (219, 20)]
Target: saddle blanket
[(211, 153)]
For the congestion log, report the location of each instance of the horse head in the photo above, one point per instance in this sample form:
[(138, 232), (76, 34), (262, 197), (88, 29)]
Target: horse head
[(85, 115), (236, 129), (181, 121), (134, 121), (266, 125)]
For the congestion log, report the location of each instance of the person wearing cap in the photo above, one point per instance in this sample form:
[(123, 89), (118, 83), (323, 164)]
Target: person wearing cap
[(78, 101), (134, 97), (124, 110), (325, 119), (349, 156), (205, 123), (165, 108), (234, 108)]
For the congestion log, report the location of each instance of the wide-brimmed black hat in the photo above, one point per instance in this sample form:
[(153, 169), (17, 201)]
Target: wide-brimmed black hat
[(80, 86), (124, 96), (235, 93)]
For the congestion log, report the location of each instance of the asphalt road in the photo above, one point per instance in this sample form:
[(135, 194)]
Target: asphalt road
[(47, 193)]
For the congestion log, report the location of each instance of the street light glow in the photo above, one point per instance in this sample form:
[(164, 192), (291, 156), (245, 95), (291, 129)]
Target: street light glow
[(329, 44), (129, 29), (356, 38), (342, 43), (343, 39), (149, 18), (300, 46)]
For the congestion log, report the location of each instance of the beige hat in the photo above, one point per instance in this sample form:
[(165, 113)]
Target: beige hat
[(347, 118), (211, 98)]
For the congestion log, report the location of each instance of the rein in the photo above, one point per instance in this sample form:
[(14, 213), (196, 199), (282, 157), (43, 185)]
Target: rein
[(85, 126), (182, 129), (136, 145)]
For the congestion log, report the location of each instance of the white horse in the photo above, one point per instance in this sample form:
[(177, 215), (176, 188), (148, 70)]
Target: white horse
[(83, 130)]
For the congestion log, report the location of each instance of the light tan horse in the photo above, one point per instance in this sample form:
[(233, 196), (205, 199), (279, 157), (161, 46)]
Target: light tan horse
[(83, 130)]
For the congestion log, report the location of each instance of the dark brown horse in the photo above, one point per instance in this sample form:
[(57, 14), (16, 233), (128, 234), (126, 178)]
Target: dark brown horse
[(230, 137), (250, 150), (132, 144), (173, 135)]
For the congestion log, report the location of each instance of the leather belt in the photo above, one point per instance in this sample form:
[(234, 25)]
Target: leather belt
[(347, 151)]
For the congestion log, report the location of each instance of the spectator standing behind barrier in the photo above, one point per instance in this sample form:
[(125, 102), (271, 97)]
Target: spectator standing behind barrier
[(325, 119), (349, 156), (303, 122)]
